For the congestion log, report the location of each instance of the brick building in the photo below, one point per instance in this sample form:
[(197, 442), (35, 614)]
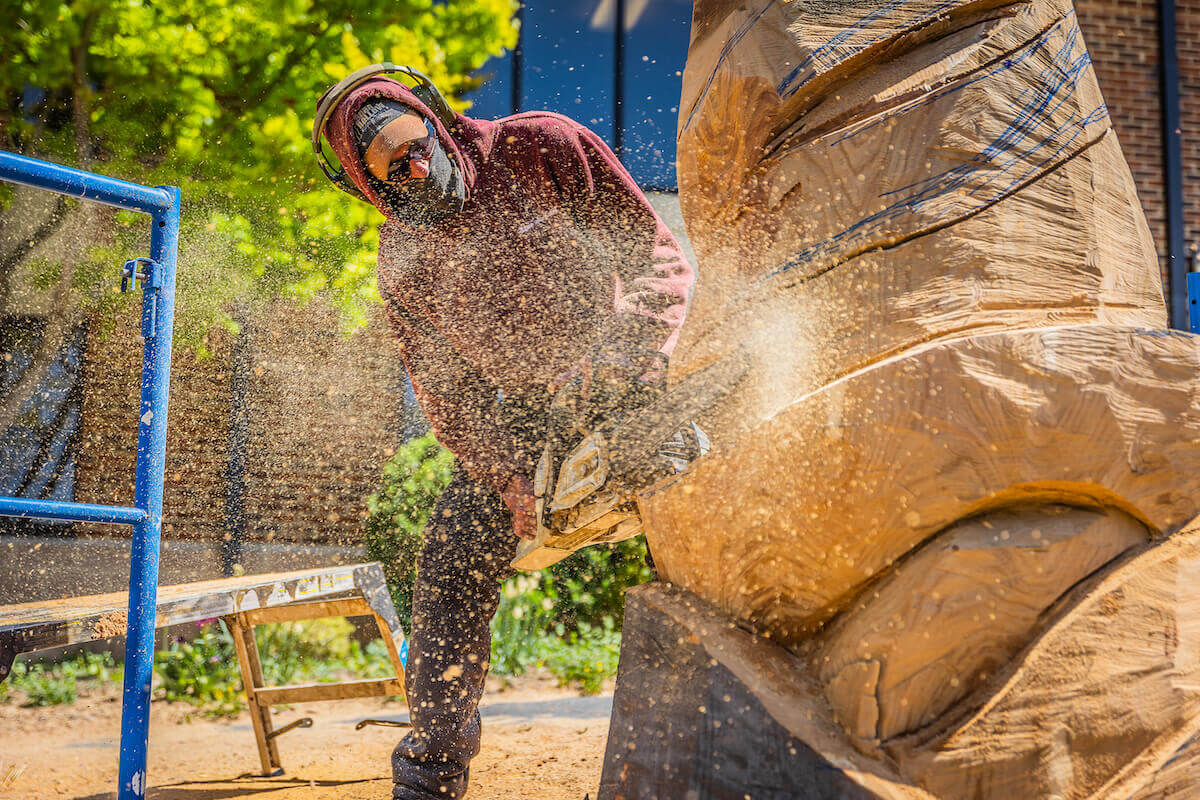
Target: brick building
[(1124, 39), (322, 412)]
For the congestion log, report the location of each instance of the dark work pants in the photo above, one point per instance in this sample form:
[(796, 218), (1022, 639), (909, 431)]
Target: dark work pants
[(469, 544)]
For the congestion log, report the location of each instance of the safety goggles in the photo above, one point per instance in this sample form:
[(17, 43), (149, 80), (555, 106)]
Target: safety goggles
[(400, 170)]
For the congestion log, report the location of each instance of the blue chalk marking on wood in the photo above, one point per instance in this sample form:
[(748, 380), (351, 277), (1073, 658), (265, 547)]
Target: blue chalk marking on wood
[(1057, 83), (733, 41), (817, 56), (1018, 56)]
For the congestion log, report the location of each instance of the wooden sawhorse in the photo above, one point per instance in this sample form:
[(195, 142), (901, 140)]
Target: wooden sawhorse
[(242, 602)]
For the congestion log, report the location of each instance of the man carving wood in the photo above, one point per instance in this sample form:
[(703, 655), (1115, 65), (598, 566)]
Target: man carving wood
[(519, 262)]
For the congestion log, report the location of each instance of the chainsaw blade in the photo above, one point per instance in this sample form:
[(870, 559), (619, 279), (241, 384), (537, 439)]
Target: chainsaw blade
[(594, 491)]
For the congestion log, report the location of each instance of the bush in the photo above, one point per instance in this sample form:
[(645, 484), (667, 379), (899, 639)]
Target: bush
[(412, 482), (519, 628), (588, 655), (524, 635), (58, 684), (204, 672), (589, 587), (48, 687), (566, 617)]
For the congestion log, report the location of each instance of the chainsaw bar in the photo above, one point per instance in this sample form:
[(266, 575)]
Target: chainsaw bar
[(594, 487)]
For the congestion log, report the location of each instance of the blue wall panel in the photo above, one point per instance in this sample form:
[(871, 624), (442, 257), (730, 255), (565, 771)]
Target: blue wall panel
[(656, 44), (568, 65), (567, 61), (495, 98)]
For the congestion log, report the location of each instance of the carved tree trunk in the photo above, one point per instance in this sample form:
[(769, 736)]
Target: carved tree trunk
[(954, 479)]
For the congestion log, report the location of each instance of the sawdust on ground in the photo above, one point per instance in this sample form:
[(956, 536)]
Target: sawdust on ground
[(540, 742)]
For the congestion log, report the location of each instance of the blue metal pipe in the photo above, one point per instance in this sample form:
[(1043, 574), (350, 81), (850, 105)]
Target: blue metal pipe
[(158, 313), (69, 512), (89, 186), (1193, 296), (1177, 266)]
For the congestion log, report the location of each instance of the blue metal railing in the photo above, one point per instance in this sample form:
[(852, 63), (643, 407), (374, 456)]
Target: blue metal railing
[(157, 276), (1193, 301)]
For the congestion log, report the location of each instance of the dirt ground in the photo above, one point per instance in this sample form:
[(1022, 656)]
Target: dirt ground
[(540, 742)]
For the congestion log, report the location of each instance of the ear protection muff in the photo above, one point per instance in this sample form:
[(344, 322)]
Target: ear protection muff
[(425, 91)]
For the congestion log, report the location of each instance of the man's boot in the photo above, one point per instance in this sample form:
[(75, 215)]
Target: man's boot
[(418, 775)]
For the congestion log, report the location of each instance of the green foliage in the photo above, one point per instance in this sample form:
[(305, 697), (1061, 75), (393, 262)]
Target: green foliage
[(522, 624), (566, 618), (589, 587), (48, 687), (525, 635), (58, 684), (204, 672), (587, 656), (318, 650), (217, 96), (412, 481)]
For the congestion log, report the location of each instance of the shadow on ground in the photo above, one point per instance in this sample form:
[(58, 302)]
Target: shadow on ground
[(235, 787), (577, 709)]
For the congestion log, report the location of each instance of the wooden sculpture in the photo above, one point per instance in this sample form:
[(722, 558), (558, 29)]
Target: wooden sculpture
[(950, 500)]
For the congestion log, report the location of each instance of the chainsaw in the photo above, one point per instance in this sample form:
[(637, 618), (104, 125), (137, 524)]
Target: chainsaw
[(587, 491)]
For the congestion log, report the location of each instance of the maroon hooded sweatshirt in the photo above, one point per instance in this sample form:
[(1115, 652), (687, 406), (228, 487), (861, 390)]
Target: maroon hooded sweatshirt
[(556, 251)]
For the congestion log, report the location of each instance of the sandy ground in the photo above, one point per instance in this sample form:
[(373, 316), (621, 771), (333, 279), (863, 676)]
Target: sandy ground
[(540, 742)]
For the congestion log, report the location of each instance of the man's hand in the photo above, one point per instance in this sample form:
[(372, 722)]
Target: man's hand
[(519, 498)]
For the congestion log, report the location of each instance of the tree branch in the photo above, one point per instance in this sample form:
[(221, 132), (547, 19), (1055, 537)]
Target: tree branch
[(80, 110)]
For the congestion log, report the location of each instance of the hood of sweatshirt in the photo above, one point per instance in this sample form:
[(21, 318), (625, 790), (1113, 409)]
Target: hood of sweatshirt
[(468, 141)]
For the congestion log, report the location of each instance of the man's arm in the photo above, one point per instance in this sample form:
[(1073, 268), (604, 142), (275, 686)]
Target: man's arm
[(650, 276)]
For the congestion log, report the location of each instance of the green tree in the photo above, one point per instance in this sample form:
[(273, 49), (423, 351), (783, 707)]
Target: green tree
[(216, 96)]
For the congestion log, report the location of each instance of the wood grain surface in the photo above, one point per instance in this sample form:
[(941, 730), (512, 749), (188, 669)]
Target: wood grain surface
[(859, 179), (784, 529), (1097, 706), (954, 480)]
